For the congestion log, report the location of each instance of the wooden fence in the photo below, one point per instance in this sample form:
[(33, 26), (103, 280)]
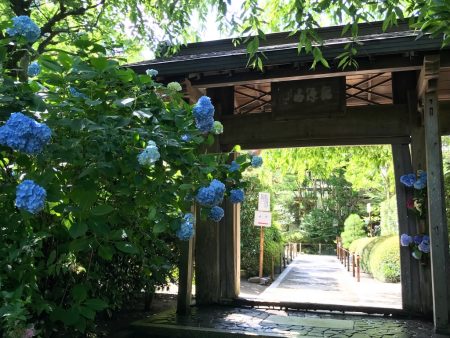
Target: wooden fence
[(349, 259)]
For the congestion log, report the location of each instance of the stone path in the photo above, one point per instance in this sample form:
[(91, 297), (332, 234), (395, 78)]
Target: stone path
[(323, 279), (225, 321)]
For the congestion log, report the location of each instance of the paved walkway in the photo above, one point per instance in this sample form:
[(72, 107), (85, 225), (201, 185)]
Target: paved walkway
[(323, 279), (224, 322)]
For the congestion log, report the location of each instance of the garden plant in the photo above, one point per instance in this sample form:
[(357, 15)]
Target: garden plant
[(99, 168)]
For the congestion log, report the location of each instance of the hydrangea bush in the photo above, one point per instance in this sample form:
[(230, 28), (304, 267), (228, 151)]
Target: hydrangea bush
[(99, 168)]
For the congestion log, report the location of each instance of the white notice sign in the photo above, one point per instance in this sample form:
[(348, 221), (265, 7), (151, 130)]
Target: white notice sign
[(263, 218), (264, 201)]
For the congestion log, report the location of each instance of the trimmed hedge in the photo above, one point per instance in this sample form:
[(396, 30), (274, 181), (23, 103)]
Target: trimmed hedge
[(380, 257)]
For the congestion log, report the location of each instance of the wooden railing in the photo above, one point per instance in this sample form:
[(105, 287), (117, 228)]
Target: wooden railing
[(292, 250), (345, 257)]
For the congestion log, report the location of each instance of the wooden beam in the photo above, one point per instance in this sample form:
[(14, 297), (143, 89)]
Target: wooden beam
[(436, 200), (194, 93), (360, 125), (428, 75), (380, 64)]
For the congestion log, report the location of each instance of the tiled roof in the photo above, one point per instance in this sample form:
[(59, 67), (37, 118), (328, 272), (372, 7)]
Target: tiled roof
[(280, 48)]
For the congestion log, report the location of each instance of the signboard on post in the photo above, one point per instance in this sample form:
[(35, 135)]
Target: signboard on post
[(264, 201), (263, 218)]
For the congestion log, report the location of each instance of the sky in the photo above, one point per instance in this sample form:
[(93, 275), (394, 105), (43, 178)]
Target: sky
[(207, 33)]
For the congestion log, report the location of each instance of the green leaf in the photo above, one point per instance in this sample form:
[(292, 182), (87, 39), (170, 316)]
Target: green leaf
[(99, 63), (51, 258), (51, 65), (78, 229), (87, 312), (186, 186), (68, 317), (126, 247), (151, 213), (79, 293), (106, 252), (96, 304), (84, 196), (159, 228), (103, 209)]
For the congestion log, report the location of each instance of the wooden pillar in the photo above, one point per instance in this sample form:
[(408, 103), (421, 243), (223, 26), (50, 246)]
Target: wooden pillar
[(435, 191), (216, 267), (409, 267), (186, 260), (415, 278), (230, 262), (185, 277), (207, 281)]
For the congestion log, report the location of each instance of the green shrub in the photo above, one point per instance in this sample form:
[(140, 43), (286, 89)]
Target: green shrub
[(353, 229), (250, 234), (388, 217), (385, 260), (293, 237), (379, 256)]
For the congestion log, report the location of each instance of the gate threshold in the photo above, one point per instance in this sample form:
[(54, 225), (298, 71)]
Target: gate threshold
[(256, 303)]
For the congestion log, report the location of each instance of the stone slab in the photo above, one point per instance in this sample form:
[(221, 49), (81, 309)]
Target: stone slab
[(144, 329), (342, 324)]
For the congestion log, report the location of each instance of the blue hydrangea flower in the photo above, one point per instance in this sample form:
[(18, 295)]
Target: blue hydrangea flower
[(212, 195), (219, 189), (75, 93), (204, 114), (24, 26), (216, 214), (24, 134), (149, 155), (186, 230), (34, 69), (217, 128), (408, 180), (257, 161), (185, 137), (418, 239), (424, 247), (151, 72), (405, 240), (234, 166), (421, 183), (175, 86), (237, 195), (30, 196)]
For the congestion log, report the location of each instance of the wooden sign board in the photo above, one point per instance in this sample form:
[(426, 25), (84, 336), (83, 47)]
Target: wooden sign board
[(263, 218), (264, 201), (316, 98)]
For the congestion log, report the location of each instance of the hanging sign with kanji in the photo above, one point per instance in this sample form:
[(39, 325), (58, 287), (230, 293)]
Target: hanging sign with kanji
[(316, 98)]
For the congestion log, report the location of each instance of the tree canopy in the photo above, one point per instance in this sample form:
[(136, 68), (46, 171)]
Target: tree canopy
[(148, 22)]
